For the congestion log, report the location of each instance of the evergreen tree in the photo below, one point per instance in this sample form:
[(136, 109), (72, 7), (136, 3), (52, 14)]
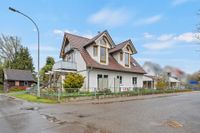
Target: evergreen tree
[(22, 60)]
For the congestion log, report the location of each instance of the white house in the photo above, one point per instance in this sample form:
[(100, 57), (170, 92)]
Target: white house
[(103, 63)]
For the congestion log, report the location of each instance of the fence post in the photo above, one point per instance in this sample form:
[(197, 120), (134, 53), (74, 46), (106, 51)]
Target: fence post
[(95, 93), (59, 94)]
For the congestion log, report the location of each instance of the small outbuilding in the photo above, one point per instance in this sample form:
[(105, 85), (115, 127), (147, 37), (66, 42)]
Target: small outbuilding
[(17, 78)]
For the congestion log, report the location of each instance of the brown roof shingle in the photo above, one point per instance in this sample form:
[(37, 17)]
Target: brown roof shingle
[(79, 43)]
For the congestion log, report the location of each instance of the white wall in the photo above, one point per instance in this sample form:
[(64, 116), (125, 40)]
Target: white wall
[(90, 51), (97, 58), (126, 78)]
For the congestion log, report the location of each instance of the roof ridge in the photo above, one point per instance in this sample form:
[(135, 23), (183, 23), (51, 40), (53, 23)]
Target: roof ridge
[(76, 35), (16, 69), (124, 42)]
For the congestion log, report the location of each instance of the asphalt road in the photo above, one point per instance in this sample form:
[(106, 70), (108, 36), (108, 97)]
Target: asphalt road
[(170, 114)]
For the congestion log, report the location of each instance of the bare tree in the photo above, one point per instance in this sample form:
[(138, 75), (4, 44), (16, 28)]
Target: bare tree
[(9, 45), (198, 27)]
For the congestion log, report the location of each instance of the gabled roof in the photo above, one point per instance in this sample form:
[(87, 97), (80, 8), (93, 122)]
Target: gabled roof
[(171, 79), (99, 35), (18, 75), (75, 41), (122, 45), (80, 43)]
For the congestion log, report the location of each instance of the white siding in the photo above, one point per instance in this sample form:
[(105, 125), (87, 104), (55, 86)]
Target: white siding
[(126, 78), (90, 51), (81, 65)]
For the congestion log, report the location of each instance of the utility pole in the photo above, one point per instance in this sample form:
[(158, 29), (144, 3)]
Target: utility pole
[(38, 41)]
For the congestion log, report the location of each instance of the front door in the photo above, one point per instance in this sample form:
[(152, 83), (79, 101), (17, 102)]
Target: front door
[(116, 84), (102, 82)]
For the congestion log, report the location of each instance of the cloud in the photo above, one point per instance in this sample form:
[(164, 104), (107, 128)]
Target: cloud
[(159, 45), (148, 35), (165, 37), (110, 17), (186, 37), (143, 59), (149, 20), (166, 41), (178, 2), (60, 32)]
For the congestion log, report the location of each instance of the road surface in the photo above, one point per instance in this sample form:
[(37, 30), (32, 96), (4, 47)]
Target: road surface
[(170, 114)]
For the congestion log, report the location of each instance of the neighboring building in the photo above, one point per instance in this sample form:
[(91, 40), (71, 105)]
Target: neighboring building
[(174, 83), (149, 81), (18, 78), (104, 64)]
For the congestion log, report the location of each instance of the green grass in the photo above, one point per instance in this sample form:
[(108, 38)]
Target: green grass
[(1, 88), (32, 98)]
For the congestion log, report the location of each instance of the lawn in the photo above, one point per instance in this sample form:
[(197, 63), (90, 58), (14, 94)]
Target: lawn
[(32, 98)]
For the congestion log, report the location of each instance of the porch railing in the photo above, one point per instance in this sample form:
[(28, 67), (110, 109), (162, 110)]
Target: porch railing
[(65, 65)]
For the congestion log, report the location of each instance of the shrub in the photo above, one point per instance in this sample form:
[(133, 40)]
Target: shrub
[(105, 91), (161, 85), (73, 82), (1, 88), (16, 88)]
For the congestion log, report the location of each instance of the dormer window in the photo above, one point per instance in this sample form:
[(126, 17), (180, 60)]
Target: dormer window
[(127, 59), (102, 54), (67, 48), (127, 48), (121, 56), (103, 41), (95, 50)]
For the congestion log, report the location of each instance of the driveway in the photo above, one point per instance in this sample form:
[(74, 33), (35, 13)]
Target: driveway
[(171, 114)]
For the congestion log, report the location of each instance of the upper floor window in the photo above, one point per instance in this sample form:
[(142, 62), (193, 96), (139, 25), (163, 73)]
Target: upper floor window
[(134, 80), (103, 54), (95, 50), (103, 41), (67, 48), (121, 56), (127, 59)]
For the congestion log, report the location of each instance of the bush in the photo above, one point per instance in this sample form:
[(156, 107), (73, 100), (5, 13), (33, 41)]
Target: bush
[(161, 85), (17, 88), (105, 91), (73, 82), (1, 88)]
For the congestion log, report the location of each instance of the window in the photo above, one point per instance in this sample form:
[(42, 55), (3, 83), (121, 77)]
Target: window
[(121, 56), (70, 57), (126, 59), (127, 48), (103, 55), (120, 79), (95, 50), (134, 80), (103, 41), (102, 81), (67, 48), (25, 83)]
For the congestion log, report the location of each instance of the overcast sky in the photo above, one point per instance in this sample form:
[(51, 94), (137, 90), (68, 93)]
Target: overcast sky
[(161, 30)]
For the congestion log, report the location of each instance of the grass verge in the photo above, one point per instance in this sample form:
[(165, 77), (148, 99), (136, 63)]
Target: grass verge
[(32, 98)]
